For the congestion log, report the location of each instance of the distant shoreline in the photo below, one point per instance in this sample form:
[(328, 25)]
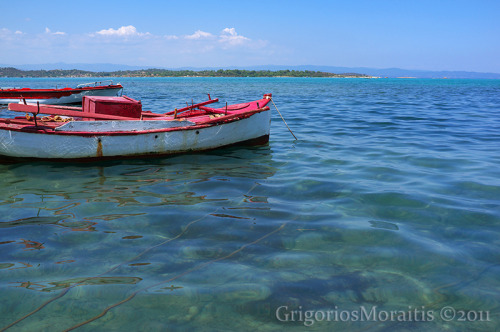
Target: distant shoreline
[(10, 72)]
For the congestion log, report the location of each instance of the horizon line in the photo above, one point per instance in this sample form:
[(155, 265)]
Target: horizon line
[(145, 67)]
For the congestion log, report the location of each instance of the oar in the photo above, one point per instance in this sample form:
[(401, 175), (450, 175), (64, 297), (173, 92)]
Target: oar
[(227, 118), (149, 114), (194, 106)]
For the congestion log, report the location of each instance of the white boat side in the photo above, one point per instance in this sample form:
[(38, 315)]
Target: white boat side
[(72, 145), (74, 98)]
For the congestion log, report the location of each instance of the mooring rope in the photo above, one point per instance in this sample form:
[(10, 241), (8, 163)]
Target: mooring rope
[(282, 118)]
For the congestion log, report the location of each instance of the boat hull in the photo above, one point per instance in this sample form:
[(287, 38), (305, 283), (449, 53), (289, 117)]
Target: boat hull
[(57, 97), (62, 145)]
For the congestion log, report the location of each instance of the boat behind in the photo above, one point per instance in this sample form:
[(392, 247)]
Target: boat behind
[(60, 96)]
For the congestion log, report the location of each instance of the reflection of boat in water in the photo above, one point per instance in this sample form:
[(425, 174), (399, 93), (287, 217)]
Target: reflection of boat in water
[(60, 96), (116, 127), (127, 183)]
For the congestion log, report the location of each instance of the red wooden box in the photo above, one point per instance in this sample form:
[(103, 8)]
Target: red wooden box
[(121, 106)]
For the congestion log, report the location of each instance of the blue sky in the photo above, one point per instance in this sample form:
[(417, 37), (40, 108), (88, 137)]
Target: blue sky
[(410, 34)]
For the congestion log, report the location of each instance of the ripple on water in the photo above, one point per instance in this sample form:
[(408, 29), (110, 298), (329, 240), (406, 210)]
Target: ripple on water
[(388, 199)]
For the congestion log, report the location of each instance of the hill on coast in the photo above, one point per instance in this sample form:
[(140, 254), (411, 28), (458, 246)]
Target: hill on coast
[(153, 72), (109, 70)]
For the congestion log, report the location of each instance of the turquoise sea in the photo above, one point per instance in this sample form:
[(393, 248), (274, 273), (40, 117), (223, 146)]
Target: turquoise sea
[(384, 215)]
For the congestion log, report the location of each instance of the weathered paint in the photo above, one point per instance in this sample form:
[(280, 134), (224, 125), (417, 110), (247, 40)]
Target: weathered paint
[(99, 148), (201, 132), (24, 144)]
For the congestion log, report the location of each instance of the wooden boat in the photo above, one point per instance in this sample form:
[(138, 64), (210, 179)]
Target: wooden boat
[(117, 127), (60, 96)]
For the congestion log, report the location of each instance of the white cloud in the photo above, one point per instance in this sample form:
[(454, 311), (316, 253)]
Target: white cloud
[(170, 37), (124, 31), (128, 45), (199, 35), (229, 36), (47, 30), (230, 31)]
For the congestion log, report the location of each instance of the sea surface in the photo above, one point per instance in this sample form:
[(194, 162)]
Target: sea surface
[(384, 215)]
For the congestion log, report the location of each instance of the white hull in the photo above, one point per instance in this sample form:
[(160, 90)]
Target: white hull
[(108, 144), (72, 99)]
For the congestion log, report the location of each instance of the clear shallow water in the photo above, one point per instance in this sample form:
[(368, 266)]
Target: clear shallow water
[(389, 201)]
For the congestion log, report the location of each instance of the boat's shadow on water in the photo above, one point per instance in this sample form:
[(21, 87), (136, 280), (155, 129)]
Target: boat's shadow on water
[(67, 177)]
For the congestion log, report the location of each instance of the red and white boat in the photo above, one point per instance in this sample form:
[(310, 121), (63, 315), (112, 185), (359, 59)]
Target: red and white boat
[(60, 96), (117, 127)]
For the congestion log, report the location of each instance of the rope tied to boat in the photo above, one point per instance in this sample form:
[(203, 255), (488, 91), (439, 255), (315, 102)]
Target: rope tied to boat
[(56, 118), (282, 118), (49, 118)]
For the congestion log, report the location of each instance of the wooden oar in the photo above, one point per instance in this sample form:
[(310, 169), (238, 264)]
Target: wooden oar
[(210, 110), (62, 111), (149, 114), (193, 106), (76, 108), (230, 117)]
